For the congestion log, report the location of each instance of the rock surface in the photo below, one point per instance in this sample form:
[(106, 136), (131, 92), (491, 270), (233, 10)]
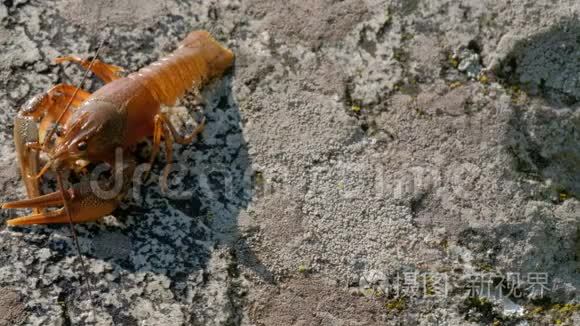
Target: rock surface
[(365, 163)]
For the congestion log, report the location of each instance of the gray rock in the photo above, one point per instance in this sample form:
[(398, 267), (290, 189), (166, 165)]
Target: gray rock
[(347, 143)]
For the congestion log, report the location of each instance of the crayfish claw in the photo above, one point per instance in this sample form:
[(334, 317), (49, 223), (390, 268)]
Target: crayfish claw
[(83, 207)]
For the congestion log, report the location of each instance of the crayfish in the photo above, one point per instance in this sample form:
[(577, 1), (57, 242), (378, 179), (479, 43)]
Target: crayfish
[(74, 128)]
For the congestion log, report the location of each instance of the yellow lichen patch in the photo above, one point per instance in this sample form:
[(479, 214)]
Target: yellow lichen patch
[(484, 266), (400, 55), (429, 286), (444, 243), (396, 304), (567, 309), (517, 94), (397, 86), (259, 178), (537, 310), (303, 269), (455, 85), (483, 79), (368, 292), (355, 108), (407, 37), (563, 196), (559, 313), (453, 61)]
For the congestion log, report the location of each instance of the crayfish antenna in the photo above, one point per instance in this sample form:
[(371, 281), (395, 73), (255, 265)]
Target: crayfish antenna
[(65, 194), (66, 208)]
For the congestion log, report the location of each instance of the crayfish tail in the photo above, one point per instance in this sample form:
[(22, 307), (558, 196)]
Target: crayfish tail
[(198, 59)]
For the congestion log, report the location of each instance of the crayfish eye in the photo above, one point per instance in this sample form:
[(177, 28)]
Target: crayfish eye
[(59, 131), (82, 146)]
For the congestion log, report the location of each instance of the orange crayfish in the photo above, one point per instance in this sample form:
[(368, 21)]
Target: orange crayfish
[(75, 128)]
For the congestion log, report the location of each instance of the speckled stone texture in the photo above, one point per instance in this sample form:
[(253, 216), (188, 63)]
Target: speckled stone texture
[(353, 142)]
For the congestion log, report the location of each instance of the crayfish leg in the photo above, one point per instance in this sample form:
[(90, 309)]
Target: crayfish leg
[(165, 129), (105, 72), (187, 139), (157, 133)]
